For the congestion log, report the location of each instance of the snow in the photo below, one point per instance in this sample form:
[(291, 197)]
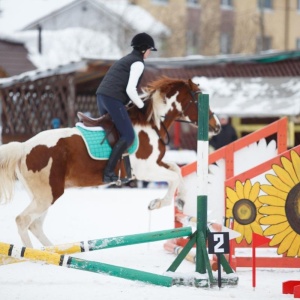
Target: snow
[(93, 213), (138, 17), (253, 97), (68, 45)]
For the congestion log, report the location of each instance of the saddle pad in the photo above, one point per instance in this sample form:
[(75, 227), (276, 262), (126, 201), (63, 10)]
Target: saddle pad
[(96, 143)]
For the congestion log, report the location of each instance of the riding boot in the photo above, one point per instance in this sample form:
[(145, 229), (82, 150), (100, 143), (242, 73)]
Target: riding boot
[(117, 151)]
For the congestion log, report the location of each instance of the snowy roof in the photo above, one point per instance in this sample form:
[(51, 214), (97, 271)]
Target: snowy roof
[(253, 97), (196, 60), (18, 13), (37, 74), (64, 46), (121, 11)]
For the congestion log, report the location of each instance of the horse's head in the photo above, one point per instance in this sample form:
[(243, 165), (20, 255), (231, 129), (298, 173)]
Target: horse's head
[(176, 99), (190, 108)]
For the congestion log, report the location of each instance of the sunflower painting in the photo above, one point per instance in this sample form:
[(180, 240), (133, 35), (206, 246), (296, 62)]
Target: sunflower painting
[(281, 206), (242, 205)]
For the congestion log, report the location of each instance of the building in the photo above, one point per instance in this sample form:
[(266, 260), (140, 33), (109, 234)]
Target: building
[(119, 20), (254, 91), (211, 27)]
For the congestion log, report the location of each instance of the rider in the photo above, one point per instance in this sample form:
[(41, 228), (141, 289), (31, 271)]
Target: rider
[(117, 88)]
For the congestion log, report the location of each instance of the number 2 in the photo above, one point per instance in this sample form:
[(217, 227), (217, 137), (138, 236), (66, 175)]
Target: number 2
[(219, 238)]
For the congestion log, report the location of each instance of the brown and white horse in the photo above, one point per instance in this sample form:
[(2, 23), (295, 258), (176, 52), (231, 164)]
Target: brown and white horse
[(57, 159)]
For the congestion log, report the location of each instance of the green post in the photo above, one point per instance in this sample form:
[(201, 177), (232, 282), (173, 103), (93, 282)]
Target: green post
[(202, 177)]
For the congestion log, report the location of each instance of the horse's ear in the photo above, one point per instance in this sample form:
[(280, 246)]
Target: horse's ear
[(193, 85)]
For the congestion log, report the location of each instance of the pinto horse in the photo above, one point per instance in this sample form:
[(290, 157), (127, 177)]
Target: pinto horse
[(58, 158)]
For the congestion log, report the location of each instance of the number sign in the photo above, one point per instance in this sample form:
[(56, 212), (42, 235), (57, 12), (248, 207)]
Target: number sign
[(218, 242)]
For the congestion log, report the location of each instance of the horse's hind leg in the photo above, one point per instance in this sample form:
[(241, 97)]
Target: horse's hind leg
[(32, 218), (36, 227)]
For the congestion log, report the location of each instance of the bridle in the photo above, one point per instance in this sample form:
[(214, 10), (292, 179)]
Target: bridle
[(193, 101)]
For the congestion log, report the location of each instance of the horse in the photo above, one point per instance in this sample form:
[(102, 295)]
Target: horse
[(56, 159)]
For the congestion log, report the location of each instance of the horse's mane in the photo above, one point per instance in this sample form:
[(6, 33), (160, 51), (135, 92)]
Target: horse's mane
[(156, 91)]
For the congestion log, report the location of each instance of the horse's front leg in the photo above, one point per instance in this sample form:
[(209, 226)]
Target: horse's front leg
[(180, 196), (171, 173)]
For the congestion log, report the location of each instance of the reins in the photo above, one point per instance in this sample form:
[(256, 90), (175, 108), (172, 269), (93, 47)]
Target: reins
[(194, 101), (167, 133)]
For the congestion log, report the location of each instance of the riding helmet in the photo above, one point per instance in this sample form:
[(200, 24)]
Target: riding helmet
[(142, 42)]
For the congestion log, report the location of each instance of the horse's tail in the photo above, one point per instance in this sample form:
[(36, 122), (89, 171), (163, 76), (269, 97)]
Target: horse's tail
[(10, 155)]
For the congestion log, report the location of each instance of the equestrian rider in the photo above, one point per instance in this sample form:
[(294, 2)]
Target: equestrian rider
[(117, 88)]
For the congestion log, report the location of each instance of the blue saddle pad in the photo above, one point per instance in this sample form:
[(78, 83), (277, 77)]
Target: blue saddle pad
[(96, 143)]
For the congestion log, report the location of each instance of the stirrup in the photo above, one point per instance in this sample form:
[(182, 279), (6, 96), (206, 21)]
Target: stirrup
[(110, 177)]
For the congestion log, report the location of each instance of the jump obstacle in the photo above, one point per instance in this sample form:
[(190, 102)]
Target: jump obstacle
[(203, 277), (279, 130)]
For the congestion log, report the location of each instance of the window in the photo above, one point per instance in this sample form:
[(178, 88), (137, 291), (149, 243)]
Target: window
[(192, 42), (263, 44), (160, 1), (192, 2), (298, 43), (298, 4), (265, 4), (226, 4), (225, 43)]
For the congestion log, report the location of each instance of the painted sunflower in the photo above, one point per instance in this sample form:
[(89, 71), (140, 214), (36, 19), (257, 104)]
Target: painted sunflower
[(281, 206), (242, 205)]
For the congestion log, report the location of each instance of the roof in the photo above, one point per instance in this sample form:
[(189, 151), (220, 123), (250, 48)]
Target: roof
[(38, 74), (253, 97), (218, 60), (244, 96), (120, 11)]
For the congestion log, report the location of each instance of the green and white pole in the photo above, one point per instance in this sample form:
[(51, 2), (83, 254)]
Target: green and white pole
[(84, 265), (202, 178)]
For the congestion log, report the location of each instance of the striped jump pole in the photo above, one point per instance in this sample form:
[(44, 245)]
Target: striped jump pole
[(119, 241), (98, 244), (84, 265), (202, 180), (199, 236)]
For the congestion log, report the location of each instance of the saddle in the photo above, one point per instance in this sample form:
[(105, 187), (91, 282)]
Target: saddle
[(105, 122), (112, 136)]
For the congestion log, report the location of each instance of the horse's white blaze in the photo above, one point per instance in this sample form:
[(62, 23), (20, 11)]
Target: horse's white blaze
[(178, 105)]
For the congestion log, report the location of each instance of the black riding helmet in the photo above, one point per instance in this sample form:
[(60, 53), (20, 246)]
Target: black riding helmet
[(142, 42)]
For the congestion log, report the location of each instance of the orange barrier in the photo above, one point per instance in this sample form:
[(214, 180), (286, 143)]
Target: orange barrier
[(277, 130)]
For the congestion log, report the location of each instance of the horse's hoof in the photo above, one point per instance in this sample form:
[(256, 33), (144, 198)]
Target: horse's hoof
[(118, 182), (154, 204), (179, 203)]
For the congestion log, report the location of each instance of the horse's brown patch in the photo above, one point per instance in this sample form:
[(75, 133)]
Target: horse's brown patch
[(145, 149), (38, 158)]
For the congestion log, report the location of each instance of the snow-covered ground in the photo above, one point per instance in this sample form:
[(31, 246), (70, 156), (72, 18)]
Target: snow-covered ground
[(93, 213)]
